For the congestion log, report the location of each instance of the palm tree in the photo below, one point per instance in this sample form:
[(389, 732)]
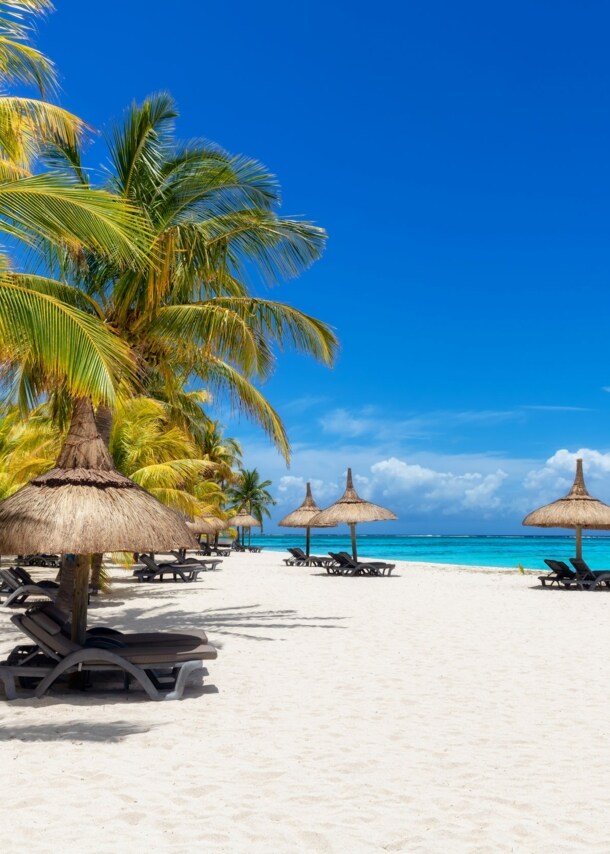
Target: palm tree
[(224, 451), (188, 316), (159, 456), (42, 324), (250, 494)]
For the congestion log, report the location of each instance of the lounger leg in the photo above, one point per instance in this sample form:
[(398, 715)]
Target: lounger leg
[(10, 689), (96, 656)]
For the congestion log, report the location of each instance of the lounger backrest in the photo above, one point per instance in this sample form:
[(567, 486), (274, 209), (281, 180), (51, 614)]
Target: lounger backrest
[(343, 558), (560, 567), (46, 632), (23, 575), (148, 562), (10, 579), (581, 567)]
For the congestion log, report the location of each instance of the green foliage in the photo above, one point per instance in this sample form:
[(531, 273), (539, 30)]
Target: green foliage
[(250, 494), (161, 457), (188, 315), (27, 448)]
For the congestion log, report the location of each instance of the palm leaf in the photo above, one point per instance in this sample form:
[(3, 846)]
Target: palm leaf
[(279, 322), (215, 326), (61, 342), (27, 124), (280, 248), (245, 398), (47, 206)]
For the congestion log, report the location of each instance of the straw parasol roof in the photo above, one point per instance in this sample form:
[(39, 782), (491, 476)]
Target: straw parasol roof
[(84, 506), (576, 510), (303, 516), (200, 525), (206, 524), (243, 519), (351, 509)]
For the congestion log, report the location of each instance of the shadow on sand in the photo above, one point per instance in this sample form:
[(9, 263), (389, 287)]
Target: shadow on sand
[(238, 621)]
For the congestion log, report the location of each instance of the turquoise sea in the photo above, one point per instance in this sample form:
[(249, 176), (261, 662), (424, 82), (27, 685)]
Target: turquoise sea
[(469, 550)]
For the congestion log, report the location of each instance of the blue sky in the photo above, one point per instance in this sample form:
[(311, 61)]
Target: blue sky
[(457, 154)]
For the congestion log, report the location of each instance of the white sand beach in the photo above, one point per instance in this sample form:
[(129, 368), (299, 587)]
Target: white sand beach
[(437, 710)]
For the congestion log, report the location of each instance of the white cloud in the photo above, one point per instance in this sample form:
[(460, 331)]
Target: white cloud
[(426, 489), (430, 491), (555, 477), (291, 490), (342, 423)]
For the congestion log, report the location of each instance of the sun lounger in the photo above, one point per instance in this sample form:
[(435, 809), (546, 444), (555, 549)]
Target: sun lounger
[(580, 576), (161, 666), (26, 578), (39, 560), (208, 551), (346, 565), (595, 577), (561, 574), (299, 558), (239, 548), (156, 571), (18, 591), (193, 561), (62, 619), (19, 585)]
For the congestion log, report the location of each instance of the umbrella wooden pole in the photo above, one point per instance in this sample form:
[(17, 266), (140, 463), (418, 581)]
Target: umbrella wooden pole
[(307, 541), (82, 565), (352, 528), (579, 543)]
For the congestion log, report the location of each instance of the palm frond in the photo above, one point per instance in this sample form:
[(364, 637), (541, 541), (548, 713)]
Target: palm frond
[(284, 325), (26, 125), (280, 248), (60, 290), (216, 327), (247, 399), (137, 146), (19, 62), (173, 473), (58, 340), (48, 206), (22, 63)]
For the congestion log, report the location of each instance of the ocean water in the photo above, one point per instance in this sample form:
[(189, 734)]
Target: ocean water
[(502, 551)]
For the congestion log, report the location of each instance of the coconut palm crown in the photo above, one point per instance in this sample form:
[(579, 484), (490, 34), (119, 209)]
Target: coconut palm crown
[(188, 316)]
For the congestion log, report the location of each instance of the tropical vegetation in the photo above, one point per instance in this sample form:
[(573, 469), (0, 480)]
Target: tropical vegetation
[(250, 494), (136, 295)]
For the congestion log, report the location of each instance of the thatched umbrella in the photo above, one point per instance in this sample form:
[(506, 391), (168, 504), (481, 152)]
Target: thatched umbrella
[(245, 520), (351, 509), (215, 522), (201, 525), (84, 506), (208, 525), (302, 518), (575, 510)]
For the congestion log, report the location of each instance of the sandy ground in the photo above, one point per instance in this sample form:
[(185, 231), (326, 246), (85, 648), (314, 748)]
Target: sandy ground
[(438, 710)]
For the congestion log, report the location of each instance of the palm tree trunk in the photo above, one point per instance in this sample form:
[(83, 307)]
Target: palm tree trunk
[(103, 421), (66, 584), (96, 570)]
